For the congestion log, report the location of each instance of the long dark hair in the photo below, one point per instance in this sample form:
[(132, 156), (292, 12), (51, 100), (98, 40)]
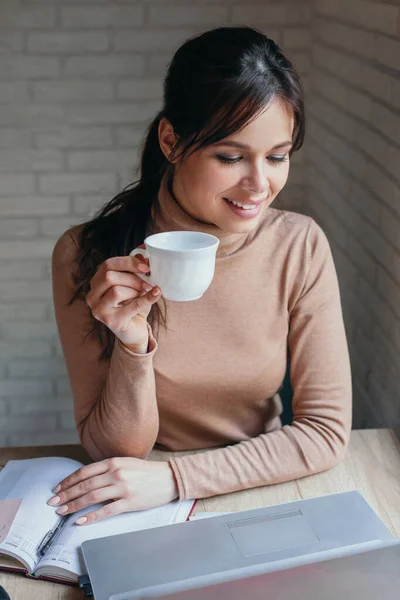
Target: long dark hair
[(215, 84)]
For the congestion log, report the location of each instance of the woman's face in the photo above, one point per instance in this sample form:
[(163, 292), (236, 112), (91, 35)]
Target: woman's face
[(250, 168)]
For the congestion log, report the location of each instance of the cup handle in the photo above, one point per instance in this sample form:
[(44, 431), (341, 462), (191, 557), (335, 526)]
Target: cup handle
[(146, 255)]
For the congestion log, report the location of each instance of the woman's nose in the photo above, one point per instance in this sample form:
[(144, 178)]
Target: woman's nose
[(257, 180)]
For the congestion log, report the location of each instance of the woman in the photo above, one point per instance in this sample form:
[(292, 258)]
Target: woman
[(205, 374)]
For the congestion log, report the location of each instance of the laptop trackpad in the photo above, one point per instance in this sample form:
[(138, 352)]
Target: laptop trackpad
[(262, 535)]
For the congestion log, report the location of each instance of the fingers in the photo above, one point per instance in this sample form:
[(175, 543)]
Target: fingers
[(93, 484), (142, 259), (92, 470), (137, 306), (107, 511), (98, 496), (117, 296), (127, 307), (82, 488), (131, 264), (111, 280)]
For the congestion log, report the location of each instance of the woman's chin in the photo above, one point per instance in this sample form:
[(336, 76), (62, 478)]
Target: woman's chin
[(241, 221)]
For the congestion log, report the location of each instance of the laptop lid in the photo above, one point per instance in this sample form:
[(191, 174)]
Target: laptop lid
[(232, 546), (370, 575)]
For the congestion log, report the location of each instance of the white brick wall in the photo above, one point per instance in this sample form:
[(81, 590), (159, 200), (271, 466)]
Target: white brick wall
[(79, 81), (354, 185)]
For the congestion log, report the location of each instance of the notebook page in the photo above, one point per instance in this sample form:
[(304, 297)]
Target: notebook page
[(66, 550), (32, 481)]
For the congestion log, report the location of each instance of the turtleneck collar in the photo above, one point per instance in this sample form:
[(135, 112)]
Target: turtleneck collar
[(168, 215)]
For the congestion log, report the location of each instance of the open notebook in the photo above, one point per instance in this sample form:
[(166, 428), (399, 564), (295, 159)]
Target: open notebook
[(26, 519)]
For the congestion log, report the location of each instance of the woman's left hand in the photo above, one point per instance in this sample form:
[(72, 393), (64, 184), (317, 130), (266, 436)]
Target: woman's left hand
[(126, 484)]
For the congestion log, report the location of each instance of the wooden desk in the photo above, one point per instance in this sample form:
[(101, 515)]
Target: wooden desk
[(371, 465)]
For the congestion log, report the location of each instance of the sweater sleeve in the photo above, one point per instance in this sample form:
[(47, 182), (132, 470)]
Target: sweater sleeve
[(114, 400), (322, 398)]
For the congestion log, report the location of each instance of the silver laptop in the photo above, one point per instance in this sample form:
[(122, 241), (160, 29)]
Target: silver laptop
[(371, 575), (183, 557)]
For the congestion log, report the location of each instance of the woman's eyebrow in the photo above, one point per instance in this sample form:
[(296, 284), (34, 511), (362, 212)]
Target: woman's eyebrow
[(234, 144)]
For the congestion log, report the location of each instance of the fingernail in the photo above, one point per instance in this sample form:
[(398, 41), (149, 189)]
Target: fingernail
[(54, 501), (62, 509), (81, 520), (143, 267), (57, 489), (156, 292), (147, 287)]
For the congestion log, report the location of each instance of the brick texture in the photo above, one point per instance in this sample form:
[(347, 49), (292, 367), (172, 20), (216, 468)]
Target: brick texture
[(353, 151)]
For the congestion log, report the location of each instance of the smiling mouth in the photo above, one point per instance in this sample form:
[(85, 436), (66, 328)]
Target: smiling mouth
[(242, 205)]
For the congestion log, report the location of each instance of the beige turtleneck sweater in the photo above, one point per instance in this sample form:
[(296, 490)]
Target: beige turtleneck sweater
[(211, 380)]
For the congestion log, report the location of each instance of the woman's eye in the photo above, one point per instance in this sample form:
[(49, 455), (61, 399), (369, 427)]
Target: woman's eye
[(278, 159), (228, 159), (281, 158)]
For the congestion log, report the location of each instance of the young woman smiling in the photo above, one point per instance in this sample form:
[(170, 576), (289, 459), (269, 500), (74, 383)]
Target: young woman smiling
[(206, 374)]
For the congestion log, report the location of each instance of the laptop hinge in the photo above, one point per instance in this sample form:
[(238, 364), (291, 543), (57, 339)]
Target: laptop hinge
[(85, 585)]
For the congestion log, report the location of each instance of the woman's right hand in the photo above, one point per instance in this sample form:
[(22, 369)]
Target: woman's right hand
[(122, 301)]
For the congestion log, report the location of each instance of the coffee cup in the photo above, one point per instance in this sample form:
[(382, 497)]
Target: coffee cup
[(182, 263)]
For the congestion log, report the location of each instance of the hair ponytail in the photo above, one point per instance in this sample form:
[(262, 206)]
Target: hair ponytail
[(120, 226)]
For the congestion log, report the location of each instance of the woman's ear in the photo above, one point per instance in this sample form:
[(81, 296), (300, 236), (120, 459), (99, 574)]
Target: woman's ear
[(166, 138)]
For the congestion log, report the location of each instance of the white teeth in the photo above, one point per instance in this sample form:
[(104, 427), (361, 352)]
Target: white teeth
[(245, 206)]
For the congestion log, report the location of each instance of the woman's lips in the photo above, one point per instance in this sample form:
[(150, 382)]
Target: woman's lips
[(244, 213)]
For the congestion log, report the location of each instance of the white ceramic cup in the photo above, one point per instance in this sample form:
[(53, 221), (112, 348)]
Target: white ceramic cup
[(182, 263)]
